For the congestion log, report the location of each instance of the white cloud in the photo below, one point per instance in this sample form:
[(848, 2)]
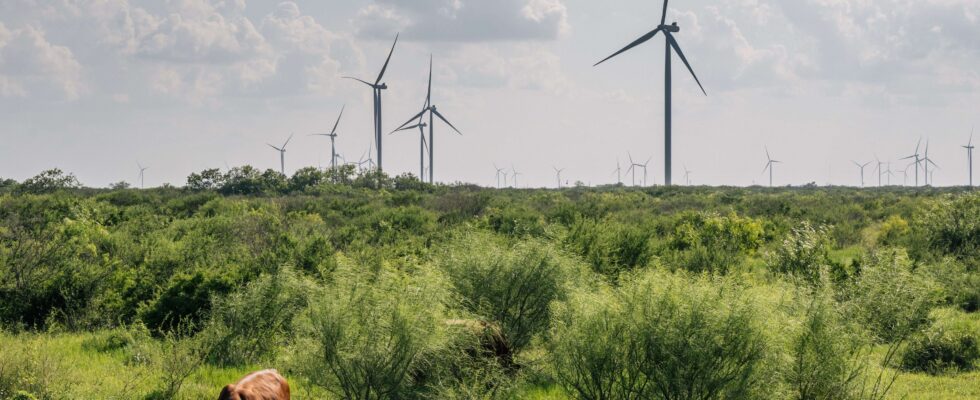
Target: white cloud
[(465, 20), (30, 64)]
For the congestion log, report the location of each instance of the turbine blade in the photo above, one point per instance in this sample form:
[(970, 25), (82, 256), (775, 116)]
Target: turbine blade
[(359, 80), (428, 94), (407, 128), (663, 17), (385, 67), (635, 43), (410, 120), (274, 147), (446, 121), (677, 48), (287, 141), (334, 130), (768, 157)]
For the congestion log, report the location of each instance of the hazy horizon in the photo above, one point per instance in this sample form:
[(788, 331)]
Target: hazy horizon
[(93, 87)]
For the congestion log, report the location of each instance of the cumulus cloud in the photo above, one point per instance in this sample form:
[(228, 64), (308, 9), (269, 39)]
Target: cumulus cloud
[(30, 63), (465, 20)]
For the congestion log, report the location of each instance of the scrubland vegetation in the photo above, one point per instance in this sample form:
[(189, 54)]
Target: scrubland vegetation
[(363, 287)]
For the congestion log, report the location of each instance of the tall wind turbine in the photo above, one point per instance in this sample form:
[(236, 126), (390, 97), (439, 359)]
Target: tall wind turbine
[(668, 31), (644, 165), (969, 154), (878, 169), (918, 160), (282, 154), (925, 165), (558, 175), (514, 172), (433, 113), (376, 88), (423, 147), (632, 168), (333, 139), (769, 165), (862, 167), (142, 171), (687, 176)]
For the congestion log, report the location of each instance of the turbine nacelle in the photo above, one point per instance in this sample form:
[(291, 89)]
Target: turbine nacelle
[(672, 28)]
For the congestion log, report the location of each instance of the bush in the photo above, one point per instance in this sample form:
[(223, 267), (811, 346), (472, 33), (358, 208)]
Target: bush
[(611, 248), (946, 345), (803, 254), (371, 329), (890, 299), (187, 299), (49, 181), (827, 361), (951, 226), (247, 326), (510, 287), (659, 336), (961, 287), (702, 242)]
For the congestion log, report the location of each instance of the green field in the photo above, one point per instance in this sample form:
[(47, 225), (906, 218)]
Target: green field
[(355, 288)]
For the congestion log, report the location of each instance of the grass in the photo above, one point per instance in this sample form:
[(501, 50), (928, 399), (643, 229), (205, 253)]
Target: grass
[(91, 374)]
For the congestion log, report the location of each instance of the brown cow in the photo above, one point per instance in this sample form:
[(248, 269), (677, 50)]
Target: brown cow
[(259, 385)]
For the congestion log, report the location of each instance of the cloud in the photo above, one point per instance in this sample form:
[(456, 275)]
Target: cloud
[(30, 64), (465, 20)]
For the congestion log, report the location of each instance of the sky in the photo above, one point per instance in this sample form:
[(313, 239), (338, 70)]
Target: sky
[(96, 86)]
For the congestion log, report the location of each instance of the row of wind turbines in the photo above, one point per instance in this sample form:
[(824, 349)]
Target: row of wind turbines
[(429, 109)]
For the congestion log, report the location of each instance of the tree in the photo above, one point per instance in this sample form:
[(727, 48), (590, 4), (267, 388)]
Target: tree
[(49, 181), (209, 179)]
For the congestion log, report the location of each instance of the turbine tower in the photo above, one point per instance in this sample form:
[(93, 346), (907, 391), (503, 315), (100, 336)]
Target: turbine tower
[(769, 165), (333, 139), (423, 147), (376, 88), (925, 165), (499, 172), (618, 172), (433, 113), (513, 171), (687, 176), (668, 31), (142, 171), (282, 154), (969, 155), (862, 167)]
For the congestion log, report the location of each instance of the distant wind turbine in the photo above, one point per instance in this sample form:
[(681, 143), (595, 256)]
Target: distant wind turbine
[(668, 31), (687, 176), (925, 165), (499, 172), (769, 165), (515, 174), (142, 172), (433, 112), (644, 165), (862, 167), (917, 161), (558, 175), (618, 172), (282, 154), (423, 147), (377, 87), (969, 154), (333, 139)]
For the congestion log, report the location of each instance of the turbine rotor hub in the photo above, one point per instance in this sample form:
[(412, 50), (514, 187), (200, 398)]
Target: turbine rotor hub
[(672, 28)]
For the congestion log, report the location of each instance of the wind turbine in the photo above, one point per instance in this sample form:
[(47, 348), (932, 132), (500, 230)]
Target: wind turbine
[(925, 165), (769, 165), (644, 165), (878, 169), (333, 139), (918, 160), (515, 174), (862, 167), (282, 154), (142, 171), (969, 154), (632, 168), (499, 172), (376, 88), (558, 175), (422, 146), (433, 112), (668, 31), (687, 176)]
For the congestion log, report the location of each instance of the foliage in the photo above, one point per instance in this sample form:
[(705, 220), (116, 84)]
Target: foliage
[(611, 249), (702, 242), (951, 226), (660, 336), (513, 287), (948, 344), (891, 299), (49, 181), (804, 253)]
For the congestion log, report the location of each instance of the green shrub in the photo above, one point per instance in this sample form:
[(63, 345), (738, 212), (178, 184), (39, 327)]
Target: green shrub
[(946, 345), (659, 336), (803, 253), (704, 242), (512, 287), (247, 326), (611, 248), (187, 299), (891, 299), (371, 329), (827, 360), (514, 221), (961, 287), (951, 226)]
